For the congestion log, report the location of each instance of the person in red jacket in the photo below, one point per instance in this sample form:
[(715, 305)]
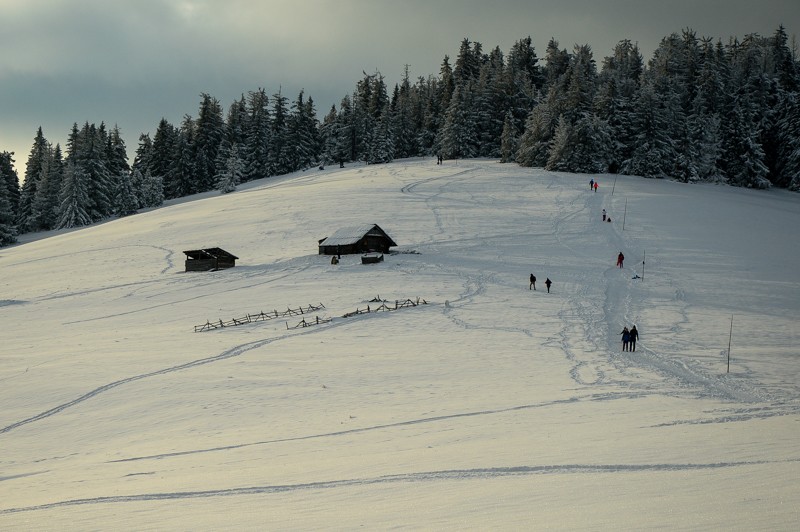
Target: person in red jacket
[(620, 258)]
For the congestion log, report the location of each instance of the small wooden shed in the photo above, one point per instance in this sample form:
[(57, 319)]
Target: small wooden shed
[(357, 239), (209, 259)]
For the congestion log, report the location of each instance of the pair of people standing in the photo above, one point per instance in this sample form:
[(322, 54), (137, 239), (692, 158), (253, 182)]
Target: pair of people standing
[(629, 338), (532, 286)]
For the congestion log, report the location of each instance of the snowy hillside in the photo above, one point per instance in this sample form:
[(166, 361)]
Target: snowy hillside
[(490, 407)]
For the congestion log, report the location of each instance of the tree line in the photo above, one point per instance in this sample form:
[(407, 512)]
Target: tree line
[(699, 110)]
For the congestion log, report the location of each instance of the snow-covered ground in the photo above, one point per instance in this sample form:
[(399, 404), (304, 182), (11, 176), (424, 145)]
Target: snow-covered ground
[(490, 407)]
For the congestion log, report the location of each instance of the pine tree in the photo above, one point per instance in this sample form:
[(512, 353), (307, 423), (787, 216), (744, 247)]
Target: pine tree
[(10, 181), (46, 199), (209, 132), (537, 139), (255, 151), (231, 176), (8, 228), (179, 180), (91, 159), (508, 140), (27, 219), (163, 153), (458, 133), (280, 151), (149, 188), (653, 150), (126, 201), (74, 198)]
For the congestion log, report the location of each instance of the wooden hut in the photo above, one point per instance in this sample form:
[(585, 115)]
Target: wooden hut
[(358, 239), (209, 259)]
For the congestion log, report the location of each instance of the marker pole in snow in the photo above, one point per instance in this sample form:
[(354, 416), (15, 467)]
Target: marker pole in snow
[(643, 259), (730, 336), (613, 186), (624, 214)]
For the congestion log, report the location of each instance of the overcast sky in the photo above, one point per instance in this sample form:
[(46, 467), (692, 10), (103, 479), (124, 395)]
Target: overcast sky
[(132, 62)]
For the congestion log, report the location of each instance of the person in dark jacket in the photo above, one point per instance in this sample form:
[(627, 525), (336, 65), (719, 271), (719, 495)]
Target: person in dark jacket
[(634, 336), (547, 283), (626, 338), (533, 282), (620, 258)]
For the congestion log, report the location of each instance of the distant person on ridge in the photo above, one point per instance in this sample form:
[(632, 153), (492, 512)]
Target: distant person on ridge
[(533, 282), (547, 283), (620, 258), (634, 334)]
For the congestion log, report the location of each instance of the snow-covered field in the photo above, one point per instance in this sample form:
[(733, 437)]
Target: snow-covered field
[(490, 407)]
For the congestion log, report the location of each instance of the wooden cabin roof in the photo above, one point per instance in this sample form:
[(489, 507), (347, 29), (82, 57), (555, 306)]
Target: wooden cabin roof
[(209, 253), (350, 235)]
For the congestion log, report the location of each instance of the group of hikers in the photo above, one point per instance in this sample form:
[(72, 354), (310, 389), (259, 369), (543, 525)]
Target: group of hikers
[(629, 338), (532, 285)]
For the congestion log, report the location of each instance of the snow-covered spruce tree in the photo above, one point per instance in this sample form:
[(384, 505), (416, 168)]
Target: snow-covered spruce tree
[(490, 104), (209, 132), (458, 133), (404, 130), (27, 219), (279, 153), (116, 154), (328, 137), (429, 92), (303, 134), (255, 151), (8, 227), (179, 180), (653, 151), (164, 152), (743, 154), (381, 147), (788, 167), (126, 201), (10, 181), (46, 199), (523, 81), (536, 140), (232, 173), (143, 155), (508, 140), (74, 198)]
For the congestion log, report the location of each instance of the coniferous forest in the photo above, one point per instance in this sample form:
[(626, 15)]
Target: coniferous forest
[(697, 111)]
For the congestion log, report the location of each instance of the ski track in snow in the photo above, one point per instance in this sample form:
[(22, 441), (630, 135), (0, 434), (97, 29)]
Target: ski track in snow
[(422, 476)]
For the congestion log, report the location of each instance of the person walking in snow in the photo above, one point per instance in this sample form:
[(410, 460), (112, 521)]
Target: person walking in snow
[(595, 186), (620, 258), (547, 283), (626, 338), (591, 184), (604, 215), (634, 335), (533, 282)]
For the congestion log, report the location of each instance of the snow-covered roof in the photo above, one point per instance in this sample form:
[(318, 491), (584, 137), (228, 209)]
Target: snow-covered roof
[(350, 235)]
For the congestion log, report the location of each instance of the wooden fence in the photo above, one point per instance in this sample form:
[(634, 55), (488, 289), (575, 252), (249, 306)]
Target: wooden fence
[(384, 306), (261, 316)]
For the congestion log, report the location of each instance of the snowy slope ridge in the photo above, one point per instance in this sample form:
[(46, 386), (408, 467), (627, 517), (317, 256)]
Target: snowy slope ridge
[(491, 406)]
